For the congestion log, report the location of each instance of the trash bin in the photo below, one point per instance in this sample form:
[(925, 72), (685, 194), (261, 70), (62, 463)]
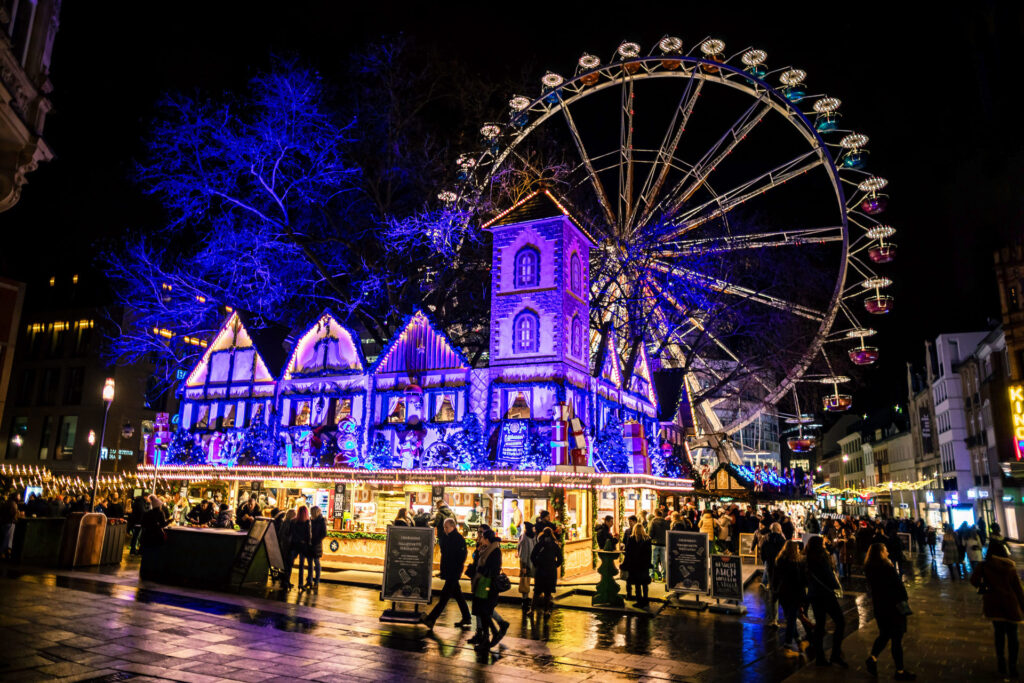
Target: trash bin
[(113, 541)]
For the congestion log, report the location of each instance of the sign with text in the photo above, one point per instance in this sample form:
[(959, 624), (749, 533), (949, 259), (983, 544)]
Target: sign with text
[(339, 501), (687, 562), (726, 577), (1017, 417), (408, 561), (514, 441)]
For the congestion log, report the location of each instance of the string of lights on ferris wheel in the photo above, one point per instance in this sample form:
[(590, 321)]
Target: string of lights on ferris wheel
[(630, 209)]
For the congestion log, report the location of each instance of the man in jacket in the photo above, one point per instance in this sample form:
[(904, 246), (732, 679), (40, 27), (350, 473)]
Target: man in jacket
[(453, 559), (658, 528), (246, 514), (604, 533)]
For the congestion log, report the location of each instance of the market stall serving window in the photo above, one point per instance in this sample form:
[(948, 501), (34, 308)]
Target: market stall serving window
[(577, 515), (518, 403), (445, 408)]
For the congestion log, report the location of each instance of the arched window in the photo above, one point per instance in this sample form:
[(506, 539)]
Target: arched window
[(576, 336), (526, 332), (576, 274), (527, 266)]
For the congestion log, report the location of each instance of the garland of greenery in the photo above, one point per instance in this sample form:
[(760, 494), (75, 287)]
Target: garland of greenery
[(557, 505)]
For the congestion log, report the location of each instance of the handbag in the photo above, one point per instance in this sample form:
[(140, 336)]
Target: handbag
[(903, 607), (483, 588), (502, 583), (837, 591)]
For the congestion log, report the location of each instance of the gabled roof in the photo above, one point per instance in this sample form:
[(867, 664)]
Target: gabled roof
[(419, 347), (233, 334), (311, 357), (611, 366), (642, 370), (537, 205)]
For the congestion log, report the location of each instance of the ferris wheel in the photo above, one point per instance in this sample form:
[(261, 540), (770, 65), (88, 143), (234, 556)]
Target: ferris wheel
[(738, 229)]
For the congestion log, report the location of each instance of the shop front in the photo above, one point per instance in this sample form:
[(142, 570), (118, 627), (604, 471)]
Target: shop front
[(361, 504)]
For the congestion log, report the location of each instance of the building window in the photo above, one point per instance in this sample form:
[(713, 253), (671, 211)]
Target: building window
[(48, 390), (445, 409), (227, 415), (302, 412), (576, 274), (397, 410), (204, 417), (44, 437), (66, 438), (526, 332), (520, 406), (73, 388), (19, 432), (342, 409), (527, 266), (576, 336)]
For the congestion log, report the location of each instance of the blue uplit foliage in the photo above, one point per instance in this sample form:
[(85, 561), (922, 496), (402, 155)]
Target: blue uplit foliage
[(610, 448)]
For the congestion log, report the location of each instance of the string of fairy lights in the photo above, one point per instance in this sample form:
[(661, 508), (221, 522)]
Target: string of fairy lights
[(871, 491), (27, 477)]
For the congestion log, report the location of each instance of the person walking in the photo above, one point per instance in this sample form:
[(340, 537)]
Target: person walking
[(930, 538), (972, 545), (527, 572), (302, 542), (889, 599), (789, 588), (823, 590), (485, 594), (638, 563), (9, 514), (453, 559), (546, 558), (1002, 602), (771, 549), (995, 539), (951, 553), (318, 532), (658, 530)]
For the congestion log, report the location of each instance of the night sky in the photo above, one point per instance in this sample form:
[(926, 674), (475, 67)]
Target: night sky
[(933, 91)]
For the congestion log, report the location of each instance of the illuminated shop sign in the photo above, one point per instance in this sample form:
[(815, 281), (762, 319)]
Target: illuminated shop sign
[(1017, 413)]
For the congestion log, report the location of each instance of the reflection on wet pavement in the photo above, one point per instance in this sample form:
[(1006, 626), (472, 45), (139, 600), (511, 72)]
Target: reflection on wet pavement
[(678, 644)]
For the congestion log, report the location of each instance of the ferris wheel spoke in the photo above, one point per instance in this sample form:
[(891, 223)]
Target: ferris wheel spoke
[(725, 145), (762, 240), (724, 286), (727, 201), (595, 180), (666, 153), (626, 154)]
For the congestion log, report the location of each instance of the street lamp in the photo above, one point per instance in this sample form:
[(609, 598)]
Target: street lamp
[(108, 398)]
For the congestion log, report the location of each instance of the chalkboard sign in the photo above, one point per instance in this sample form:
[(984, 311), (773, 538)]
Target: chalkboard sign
[(273, 544), (247, 553), (687, 562), (339, 501), (905, 540), (747, 548), (408, 562), (726, 577)]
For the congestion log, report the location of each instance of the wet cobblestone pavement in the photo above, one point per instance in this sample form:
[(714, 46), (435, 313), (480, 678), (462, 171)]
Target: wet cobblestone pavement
[(108, 626)]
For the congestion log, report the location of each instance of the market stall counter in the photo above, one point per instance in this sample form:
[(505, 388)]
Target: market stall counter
[(199, 557)]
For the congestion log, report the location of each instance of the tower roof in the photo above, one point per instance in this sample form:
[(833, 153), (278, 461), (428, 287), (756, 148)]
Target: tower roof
[(537, 205)]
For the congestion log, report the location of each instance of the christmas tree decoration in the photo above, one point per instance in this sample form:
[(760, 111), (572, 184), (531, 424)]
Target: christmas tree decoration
[(468, 444), (610, 448), (380, 455)]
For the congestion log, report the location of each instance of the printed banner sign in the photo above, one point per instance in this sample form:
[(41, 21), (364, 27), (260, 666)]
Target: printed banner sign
[(687, 562), (408, 561)]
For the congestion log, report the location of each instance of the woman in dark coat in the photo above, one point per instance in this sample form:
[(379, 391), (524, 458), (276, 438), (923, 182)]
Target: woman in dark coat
[(638, 562), (1002, 602), (822, 585), (302, 541), (789, 587), (485, 570), (546, 558), (887, 594)]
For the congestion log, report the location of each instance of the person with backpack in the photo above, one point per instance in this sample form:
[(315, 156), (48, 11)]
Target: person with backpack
[(1002, 602), (889, 599)]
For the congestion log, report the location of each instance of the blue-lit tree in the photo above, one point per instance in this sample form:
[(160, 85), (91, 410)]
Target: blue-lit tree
[(379, 456), (610, 448), (468, 444), (259, 445), (538, 457)]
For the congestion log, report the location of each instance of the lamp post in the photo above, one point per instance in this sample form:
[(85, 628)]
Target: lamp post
[(108, 398)]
